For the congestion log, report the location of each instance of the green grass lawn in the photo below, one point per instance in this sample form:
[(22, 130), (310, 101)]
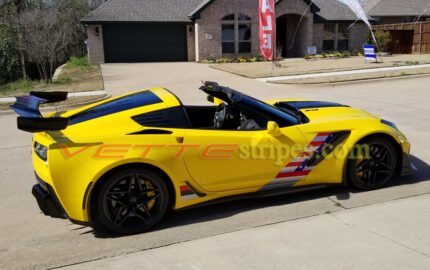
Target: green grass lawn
[(77, 75), (301, 66)]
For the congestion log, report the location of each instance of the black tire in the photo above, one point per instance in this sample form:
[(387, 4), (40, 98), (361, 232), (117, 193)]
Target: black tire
[(131, 201), (372, 164)]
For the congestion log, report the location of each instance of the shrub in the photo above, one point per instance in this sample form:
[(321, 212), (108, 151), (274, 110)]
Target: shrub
[(225, 59), (78, 62), (412, 63), (383, 38), (329, 55)]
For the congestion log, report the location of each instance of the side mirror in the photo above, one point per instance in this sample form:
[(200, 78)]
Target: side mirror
[(273, 129)]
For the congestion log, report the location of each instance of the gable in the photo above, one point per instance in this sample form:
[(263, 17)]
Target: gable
[(195, 14)]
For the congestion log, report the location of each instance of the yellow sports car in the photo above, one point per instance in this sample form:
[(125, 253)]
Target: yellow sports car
[(121, 163)]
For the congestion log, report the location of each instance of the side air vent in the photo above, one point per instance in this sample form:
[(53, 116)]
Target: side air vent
[(168, 118), (300, 105), (152, 132)]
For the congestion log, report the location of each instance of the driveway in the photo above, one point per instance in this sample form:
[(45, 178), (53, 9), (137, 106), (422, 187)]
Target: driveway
[(404, 100), (31, 240)]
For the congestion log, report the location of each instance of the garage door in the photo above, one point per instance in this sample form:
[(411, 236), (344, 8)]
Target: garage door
[(124, 43)]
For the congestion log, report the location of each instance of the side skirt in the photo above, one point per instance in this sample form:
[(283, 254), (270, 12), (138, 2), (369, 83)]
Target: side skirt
[(254, 195)]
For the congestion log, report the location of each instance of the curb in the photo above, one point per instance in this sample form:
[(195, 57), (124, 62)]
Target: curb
[(339, 73), (362, 81), (61, 108), (374, 80)]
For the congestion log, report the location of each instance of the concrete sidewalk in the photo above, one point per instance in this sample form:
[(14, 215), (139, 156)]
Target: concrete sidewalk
[(341, 73), (392, 235)]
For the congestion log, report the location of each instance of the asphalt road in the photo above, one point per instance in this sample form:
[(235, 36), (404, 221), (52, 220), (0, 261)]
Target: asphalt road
[(30, 240)]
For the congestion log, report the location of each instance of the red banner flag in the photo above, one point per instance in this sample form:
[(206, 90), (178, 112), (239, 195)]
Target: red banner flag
[(267, 28)]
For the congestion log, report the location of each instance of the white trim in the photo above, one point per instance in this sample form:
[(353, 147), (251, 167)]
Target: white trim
[(189, 197), (289, 169), (196, 41), (298, 159), (285, 180), (320, 139)]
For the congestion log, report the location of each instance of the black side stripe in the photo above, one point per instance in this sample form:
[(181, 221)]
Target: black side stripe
[(328, 148)]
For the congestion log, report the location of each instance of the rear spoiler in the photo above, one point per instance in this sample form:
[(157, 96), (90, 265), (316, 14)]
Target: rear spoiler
[(30, 119)]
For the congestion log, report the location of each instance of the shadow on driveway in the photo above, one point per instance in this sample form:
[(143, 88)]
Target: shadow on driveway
[(228, 209)]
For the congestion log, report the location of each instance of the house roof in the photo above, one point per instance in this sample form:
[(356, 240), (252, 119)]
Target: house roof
[(143, 11), (368, 4), (186, 10), (386, 8), (196, 12), (333, 10)]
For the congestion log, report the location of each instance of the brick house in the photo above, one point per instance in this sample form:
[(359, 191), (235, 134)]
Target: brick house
[(398, 11), (408, 22), (192, 30)]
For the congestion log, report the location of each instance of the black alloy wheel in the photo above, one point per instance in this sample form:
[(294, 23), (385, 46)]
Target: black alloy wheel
[(373, 164), (132, 201)]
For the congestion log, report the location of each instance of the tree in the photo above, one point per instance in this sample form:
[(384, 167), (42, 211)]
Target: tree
[(45, 37), (9, 10), (44, 33), (9, 56), (9, 53), (383, 38)]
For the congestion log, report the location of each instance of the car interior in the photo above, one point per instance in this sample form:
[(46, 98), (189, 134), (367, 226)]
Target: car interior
[(224, 117)]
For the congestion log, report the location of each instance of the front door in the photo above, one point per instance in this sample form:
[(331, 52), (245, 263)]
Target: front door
[(227, 160)]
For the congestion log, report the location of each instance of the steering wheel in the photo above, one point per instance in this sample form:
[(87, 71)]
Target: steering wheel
[(220, 115)]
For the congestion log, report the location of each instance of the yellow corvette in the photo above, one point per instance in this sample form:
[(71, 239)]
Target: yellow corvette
[(121, 163)]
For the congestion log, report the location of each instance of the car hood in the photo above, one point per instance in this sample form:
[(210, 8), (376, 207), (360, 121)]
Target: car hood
[(323, 110)]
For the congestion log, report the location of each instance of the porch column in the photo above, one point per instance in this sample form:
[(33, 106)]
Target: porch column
[(336, 35), (196, 39)]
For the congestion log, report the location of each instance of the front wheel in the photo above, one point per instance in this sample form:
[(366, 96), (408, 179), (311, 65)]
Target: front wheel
[(132, 201), (373, 164)]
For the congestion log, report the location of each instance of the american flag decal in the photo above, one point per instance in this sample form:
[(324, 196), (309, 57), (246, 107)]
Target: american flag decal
[(297, 169), (187, 193)]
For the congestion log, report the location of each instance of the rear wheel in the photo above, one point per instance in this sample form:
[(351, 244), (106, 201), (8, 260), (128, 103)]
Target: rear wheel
[(132, 201), (373, 164)]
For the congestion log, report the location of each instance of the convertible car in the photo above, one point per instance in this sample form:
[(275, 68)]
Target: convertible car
[(122, 163)]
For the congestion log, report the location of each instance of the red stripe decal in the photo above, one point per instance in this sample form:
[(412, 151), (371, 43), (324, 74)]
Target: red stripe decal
[(184, 188), (290, 174), (316, 143), (294, 164), (323, 134)]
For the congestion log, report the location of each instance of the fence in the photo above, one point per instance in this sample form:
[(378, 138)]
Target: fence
[(408, 37)]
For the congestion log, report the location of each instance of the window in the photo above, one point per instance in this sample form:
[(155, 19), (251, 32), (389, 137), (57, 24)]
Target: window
[(236, 34), (228, 39), (377, 20), (329, 37), (336, 37), (242, 17), (343, 37), (244, 38), (228, 17)]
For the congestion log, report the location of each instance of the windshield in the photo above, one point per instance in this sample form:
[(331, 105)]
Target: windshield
[(230, 96), (282, 118)]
